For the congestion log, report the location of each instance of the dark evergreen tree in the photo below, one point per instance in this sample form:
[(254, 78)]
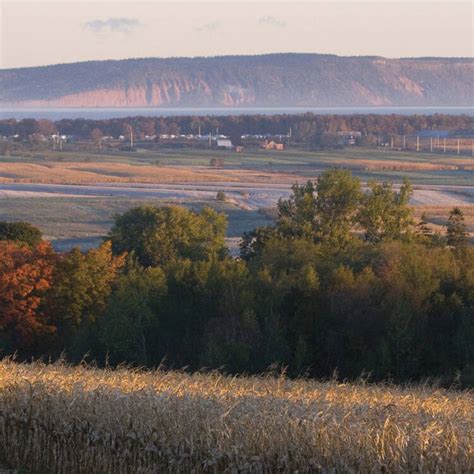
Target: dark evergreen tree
[(456, 232)]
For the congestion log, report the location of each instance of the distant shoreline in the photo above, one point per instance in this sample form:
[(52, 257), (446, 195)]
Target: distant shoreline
[(120, 112)]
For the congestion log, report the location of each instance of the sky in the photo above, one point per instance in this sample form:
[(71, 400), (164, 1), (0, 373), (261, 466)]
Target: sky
[(39, 32)]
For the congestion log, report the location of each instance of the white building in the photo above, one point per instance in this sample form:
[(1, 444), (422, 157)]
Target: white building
[(227, 144)]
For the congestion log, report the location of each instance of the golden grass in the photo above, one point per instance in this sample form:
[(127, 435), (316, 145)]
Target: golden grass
[(90, 173), (437, 216), (415, 163), (398, 165), (58, 418)]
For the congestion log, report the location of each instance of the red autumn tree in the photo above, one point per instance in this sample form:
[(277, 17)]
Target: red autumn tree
[(25, 277)]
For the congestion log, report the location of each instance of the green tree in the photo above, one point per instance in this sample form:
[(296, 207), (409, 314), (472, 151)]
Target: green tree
[(129, 325), (82, 283), (186, 309), (353, 335), (159, 235), (286, 283), (426, 235), (338, 197), (297, 214), (232, 334), (21, 233), (423, 228), (410, 275), (221, 196), (253, 242), (322, 211), (385, 214), (456, 232)]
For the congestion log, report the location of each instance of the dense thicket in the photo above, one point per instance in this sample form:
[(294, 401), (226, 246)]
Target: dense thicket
[(304, 127), (344, 281)]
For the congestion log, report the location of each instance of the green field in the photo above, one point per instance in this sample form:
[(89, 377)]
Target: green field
[(301, 162), (83, 221)]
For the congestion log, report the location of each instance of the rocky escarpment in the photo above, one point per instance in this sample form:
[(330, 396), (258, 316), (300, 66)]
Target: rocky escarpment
[(267, 80)]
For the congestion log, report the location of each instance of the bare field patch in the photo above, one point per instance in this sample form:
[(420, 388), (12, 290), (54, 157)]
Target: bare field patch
[(58, 418)]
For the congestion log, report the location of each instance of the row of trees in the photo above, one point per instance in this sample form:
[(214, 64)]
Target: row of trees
[(305, 127), (344, 281)]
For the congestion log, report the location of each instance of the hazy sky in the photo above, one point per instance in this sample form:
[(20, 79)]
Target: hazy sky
[(38, 32)]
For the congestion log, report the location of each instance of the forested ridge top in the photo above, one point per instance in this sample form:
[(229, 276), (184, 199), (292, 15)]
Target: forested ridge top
[(286, 79)]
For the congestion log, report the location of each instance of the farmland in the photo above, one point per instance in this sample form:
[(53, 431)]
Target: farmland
[(72, 196), (168, 165), (75, 419), (82, 221)]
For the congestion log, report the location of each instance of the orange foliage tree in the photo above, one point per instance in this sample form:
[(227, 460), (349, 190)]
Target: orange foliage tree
[(25, 277)]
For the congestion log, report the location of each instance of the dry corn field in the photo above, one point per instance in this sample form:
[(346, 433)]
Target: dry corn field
[(59, 418), (89, 173)]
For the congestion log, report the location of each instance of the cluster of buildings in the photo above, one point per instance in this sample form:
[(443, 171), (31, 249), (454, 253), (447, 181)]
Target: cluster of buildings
[(223, 142), (215, 141), (348, 138)]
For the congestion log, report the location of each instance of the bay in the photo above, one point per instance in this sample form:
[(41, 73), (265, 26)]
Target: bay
[(118, 112)]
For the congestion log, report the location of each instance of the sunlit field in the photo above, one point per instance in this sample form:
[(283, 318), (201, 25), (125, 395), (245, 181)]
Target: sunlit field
[(83, 220), (58, 418), (188, 165)]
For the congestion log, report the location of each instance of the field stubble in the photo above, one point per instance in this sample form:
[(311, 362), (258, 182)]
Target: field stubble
[(60, 418)]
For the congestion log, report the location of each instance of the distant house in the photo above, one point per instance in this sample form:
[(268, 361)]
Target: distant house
[(348, 138), (63, 138), (272, 145), (224, 144)]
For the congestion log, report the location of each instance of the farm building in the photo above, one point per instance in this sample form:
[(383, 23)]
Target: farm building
[(272, 145), (348, 138), (224, 144)]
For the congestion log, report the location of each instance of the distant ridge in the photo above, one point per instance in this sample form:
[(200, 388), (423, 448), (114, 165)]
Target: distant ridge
[(272, 80)]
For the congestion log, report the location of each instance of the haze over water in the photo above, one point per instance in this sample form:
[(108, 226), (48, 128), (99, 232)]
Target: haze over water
[(118, 112)]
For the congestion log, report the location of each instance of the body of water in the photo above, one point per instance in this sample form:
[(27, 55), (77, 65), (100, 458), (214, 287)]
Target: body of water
[(118, 112)]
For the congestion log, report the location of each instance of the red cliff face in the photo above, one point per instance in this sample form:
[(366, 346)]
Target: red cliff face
[(167, 93), (271, 80)]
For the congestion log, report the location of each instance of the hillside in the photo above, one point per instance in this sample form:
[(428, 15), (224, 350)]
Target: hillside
[(267, 80), (59, 418)]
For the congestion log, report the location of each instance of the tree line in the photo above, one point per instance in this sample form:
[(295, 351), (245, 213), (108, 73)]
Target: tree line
[(345, 280), (306, 128)]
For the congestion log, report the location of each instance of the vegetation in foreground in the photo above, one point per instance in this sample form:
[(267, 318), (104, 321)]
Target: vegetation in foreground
[(58, 418)]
